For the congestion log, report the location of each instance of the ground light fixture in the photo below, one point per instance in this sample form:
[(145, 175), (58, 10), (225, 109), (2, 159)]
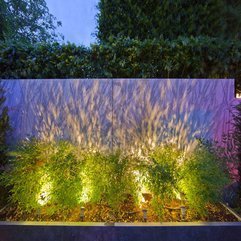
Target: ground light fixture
[(237, 90), (144, 211), (238, 95), (82, 214), (183, 212)]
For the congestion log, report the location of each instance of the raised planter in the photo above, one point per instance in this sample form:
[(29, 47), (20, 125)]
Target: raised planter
[(58, 231)]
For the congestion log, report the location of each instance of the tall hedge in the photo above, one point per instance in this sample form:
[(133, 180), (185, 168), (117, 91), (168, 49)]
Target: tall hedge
[(200, 57), (148, 19)]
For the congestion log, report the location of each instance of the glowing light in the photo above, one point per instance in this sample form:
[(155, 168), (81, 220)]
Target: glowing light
[(140, 180), (139, 153), (151, 143), (45, 192), (238, 95), (177, 194), (181, 158), (85, 195)]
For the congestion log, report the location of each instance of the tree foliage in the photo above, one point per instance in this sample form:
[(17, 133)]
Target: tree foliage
[(4, 23), (237, 140), (151, 19), (200, 57), (4, 127), (27, 21)]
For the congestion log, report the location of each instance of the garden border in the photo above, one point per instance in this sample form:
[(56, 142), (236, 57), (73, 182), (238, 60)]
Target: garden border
[(81, 231)]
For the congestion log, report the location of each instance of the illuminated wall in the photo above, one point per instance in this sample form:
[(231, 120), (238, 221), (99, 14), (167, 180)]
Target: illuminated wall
[(110, 113)]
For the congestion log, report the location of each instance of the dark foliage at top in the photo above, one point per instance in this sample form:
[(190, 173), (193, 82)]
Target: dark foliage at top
[(237, 140), (169, 19), (200, 57), (4, 128)]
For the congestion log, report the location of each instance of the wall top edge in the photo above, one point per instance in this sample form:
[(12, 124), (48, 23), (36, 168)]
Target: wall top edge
[(141, 224), (228, 79)]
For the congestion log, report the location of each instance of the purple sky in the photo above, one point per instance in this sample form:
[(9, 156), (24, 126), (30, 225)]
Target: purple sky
[(77, 17)]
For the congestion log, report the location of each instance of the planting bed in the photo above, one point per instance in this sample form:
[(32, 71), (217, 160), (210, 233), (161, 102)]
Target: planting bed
[(128, 212), (118, 160)]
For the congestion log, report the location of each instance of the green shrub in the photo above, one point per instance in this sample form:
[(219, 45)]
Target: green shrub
[(110, 178), (199, 57), (25, 177), (162, 173), (64, 169), (43, 173), (18, 60), (60, 176), (121, 181), (202, 179)]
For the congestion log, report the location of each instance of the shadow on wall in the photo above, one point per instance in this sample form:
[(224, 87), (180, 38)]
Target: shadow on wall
[(121, 113)]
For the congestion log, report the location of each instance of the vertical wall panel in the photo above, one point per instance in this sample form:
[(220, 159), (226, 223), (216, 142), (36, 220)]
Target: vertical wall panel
[(120, 112), (77, 110), (152, 111)]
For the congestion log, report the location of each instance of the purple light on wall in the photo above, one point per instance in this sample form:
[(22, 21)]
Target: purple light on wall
[(121, 112)]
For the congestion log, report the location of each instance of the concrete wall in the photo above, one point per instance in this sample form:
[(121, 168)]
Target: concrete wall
[(34, 231), (120, 112)]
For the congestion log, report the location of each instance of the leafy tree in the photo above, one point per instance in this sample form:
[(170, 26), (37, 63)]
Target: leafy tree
[(4, 23), (237, 140), (169, 19), (27, 21), (4, 128), (232, 16)]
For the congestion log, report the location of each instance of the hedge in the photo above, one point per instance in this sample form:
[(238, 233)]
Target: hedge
[(200, 57)]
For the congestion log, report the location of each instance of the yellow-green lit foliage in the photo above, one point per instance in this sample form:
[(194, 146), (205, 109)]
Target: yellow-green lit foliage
[(64, 168), (110, 177), (26, 172), (162, 170), (202, 178), (60, 176)]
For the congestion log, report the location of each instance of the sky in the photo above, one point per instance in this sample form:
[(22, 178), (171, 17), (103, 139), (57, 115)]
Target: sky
[(77, 17)]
